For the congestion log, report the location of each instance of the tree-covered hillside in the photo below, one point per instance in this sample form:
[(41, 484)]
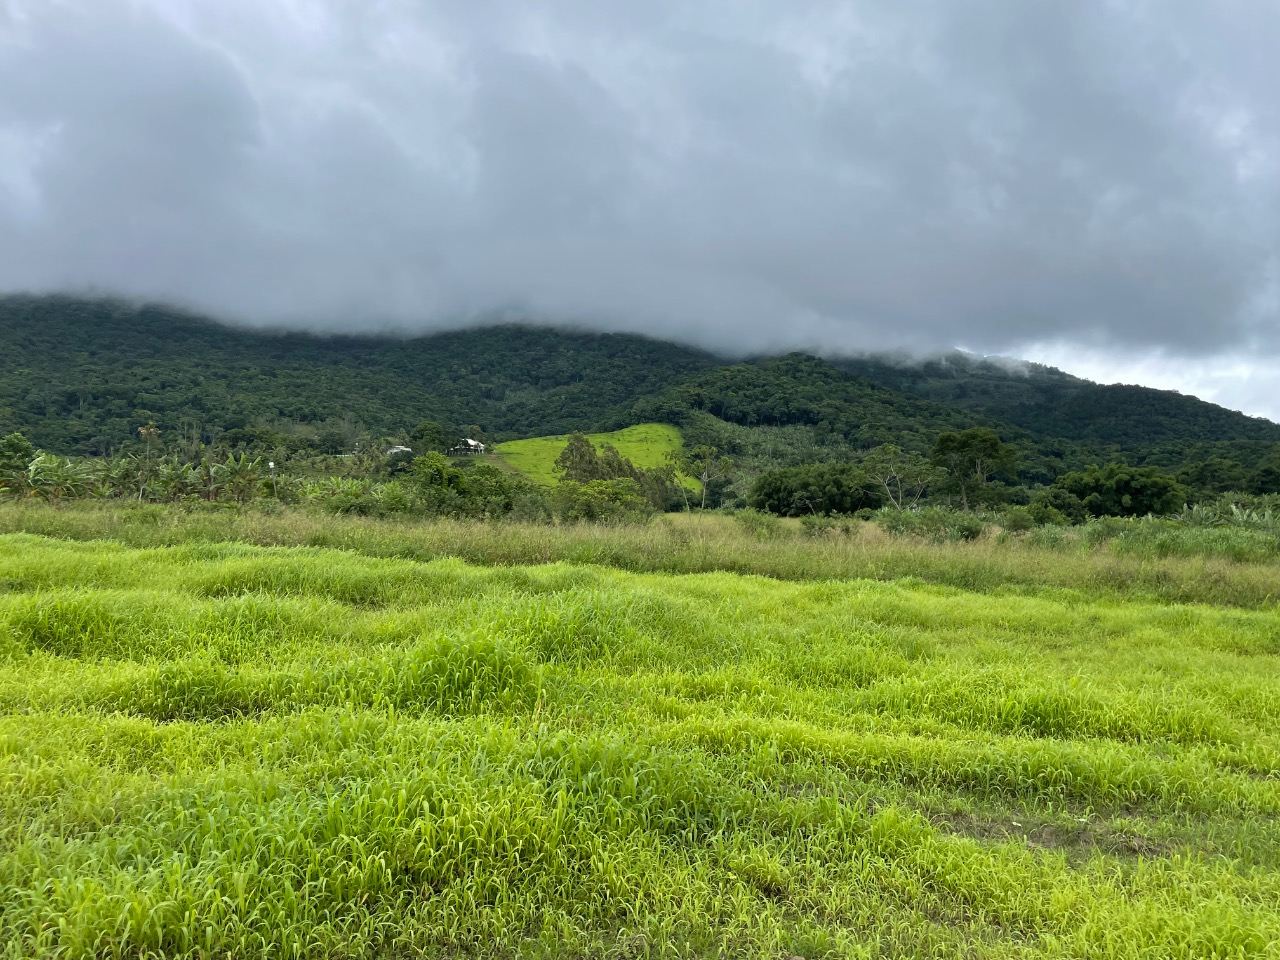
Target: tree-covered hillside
[(1138, 423), (799, 389), (81, 376)]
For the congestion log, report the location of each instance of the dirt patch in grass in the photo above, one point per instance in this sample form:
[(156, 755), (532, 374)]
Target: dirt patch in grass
[(1078, 839)]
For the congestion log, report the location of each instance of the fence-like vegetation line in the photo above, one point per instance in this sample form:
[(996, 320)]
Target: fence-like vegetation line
[(372, 739)]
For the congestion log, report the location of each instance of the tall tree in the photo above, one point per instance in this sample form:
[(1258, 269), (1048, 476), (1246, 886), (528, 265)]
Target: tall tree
[(432, 435), (705, 464), (904, 477), (971, 458), (579, 462)]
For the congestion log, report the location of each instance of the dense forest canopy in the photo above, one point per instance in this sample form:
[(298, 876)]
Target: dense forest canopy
[(1135, 422), (80, 376)]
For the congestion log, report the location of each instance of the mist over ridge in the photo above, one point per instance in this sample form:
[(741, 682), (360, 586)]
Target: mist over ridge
[(1031, 179)]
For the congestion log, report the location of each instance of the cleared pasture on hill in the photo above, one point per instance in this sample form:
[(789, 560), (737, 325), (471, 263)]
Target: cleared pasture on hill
[(214, 749), (646, 445)]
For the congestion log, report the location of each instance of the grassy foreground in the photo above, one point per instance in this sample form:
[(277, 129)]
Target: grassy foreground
[(693, 543), (646, 445), (220, 749)]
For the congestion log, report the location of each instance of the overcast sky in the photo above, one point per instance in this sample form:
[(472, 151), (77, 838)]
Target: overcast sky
[(1088, 183)]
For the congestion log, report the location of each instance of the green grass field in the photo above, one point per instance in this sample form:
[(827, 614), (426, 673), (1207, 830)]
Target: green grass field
[(217, 749), (645, 445)]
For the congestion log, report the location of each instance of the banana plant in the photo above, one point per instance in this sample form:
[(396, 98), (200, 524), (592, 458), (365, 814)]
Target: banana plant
[(55, 478), (241, 476), (176, 480)]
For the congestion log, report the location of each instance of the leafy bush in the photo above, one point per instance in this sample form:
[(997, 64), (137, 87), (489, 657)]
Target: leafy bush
[(394, 497), (1017, 520), (815, 489), (342, 495), (815, 526), (1119, 490), (16, 452), (1236, 510), (935, 524), (601, 501), (1057, 507), (1050, 537), (761, 525), (1099, 530)]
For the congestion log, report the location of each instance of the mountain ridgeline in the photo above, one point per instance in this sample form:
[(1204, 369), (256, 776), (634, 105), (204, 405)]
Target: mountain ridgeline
[(80, 376), (1050, 403)]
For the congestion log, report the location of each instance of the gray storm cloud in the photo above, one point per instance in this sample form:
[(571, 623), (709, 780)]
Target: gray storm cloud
[(852, 175)]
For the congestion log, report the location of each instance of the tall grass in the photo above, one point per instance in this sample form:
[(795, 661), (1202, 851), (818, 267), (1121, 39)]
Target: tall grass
[(213, 749), (1103, 560)]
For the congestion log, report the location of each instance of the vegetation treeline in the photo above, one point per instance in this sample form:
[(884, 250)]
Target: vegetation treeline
[(81, 376), (803, 410), (375, 484), (804, 435), (965, 471), (969, 469)]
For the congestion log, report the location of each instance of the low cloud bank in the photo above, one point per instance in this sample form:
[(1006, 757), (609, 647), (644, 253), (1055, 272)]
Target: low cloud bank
[(830, 176)]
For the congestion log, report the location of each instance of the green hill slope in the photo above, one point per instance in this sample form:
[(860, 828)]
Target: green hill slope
[(646, 445)]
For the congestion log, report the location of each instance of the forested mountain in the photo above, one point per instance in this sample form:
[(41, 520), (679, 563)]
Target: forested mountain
[(80, 376), (803, 390), (1131, 421)]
